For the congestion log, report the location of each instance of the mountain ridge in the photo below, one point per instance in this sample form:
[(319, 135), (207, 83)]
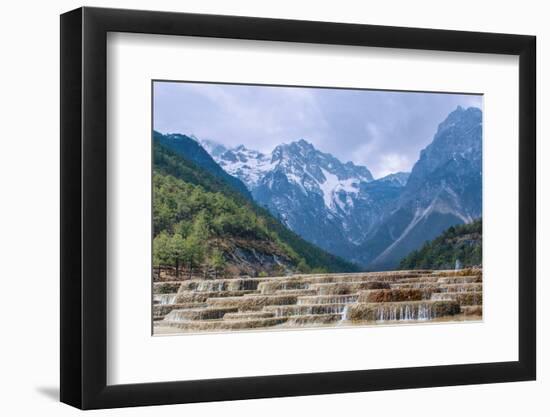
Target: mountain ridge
[(343, 209), (443, 189), (170, 163), (189, 147), (303, 186)]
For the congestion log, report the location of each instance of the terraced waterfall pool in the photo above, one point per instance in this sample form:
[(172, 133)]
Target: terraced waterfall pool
[(327, 300)]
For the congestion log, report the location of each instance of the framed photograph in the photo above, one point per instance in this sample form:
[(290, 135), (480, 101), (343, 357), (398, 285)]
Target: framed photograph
[(256, 208)]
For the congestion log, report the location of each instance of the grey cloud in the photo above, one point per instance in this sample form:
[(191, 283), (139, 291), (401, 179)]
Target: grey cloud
[(383, 130)]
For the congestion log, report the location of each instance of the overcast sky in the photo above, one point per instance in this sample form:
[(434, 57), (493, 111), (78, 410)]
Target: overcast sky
[(382, 130)]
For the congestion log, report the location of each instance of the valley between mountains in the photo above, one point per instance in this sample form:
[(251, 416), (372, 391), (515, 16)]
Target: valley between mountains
[(338, 206)]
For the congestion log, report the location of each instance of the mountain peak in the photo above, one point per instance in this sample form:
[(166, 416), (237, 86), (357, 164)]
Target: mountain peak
[(300, 145), (176, 136), (212, 147), (461, 116), (458, 137)]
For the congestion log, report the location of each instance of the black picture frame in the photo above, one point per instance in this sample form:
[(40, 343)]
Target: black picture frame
[(84, 207)]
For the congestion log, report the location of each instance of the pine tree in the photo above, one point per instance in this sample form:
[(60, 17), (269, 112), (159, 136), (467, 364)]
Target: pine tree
[(193, 252), (162, 253), (217, 262), (177, 246)]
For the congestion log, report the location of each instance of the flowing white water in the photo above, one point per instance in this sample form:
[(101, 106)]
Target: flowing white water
[(327, 299), (305, 309), (211, 286), (404, 312), (164, 299), (345, 313)]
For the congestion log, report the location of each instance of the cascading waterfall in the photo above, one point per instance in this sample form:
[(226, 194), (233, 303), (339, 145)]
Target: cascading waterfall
[(164, 299), (404, 312), (424, 312), (317, 300), (334, 299), (308, 309), (345, 313), (211, 286)]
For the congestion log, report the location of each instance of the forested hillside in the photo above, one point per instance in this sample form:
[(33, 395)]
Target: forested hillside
[(202, 224), (185, 146), (462, 243)]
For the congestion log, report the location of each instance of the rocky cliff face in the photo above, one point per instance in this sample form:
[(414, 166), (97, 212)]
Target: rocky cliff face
[(444, 189)]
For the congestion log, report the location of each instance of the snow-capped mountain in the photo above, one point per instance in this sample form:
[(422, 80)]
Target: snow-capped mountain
[(332, 204), (303, 166), (213, 148), (341, 208), (248, 165)]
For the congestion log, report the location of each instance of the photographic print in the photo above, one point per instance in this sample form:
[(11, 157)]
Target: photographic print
[(287, 207)]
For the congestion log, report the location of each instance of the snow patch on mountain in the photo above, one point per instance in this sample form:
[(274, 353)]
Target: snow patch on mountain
[(336, 192), (247, 164), (327, 188)]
